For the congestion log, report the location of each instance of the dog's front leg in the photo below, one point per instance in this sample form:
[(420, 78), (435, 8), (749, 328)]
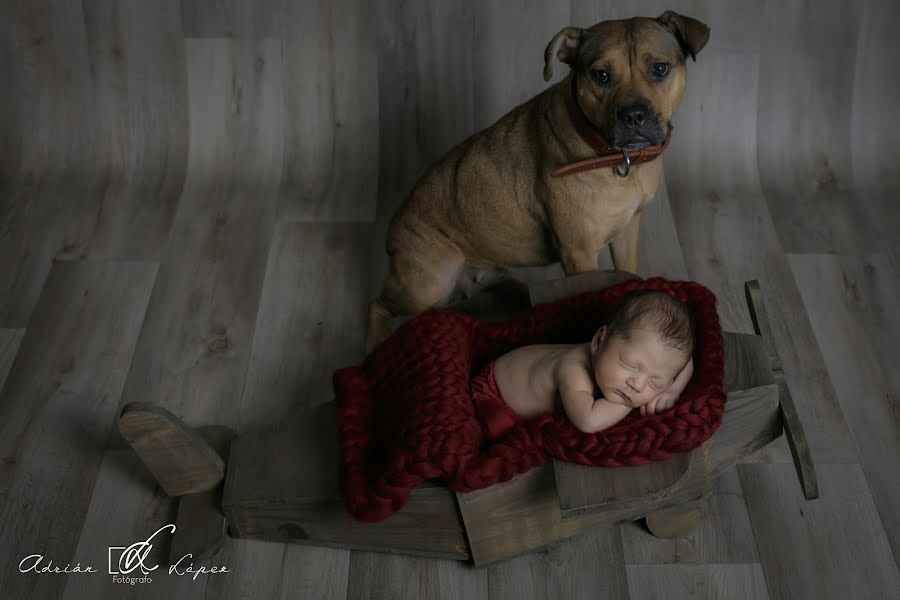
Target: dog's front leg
[(579, 259), (624, 247)]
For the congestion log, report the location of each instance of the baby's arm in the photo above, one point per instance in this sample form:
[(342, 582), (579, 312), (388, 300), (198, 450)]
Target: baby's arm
[(666, 399), (576, 389)]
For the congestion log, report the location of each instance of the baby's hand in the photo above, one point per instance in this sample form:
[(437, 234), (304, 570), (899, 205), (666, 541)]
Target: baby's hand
[(662, 402), (666, 399)]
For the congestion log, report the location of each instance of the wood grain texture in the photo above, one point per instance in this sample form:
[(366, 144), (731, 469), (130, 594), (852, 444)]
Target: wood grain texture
[(591, 489), (181, 459), (716, 581), (799, 98), (331, 127), (790, 417), (407, 578), (231, 18), (507, 72), (193, 350), (589, 565), (724, 535), (874, 98), (56, 408), (310, 320), (675, 521), (52, 171), (861, 355), (839, 548), (142, 123), (822, 191), (10, 104), (201, 527), (659, 250), (10, 339)]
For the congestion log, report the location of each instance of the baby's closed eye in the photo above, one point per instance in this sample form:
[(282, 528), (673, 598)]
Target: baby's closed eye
[(659, 385)]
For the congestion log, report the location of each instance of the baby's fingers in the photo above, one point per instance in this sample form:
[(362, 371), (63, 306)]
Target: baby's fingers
[(667, 403)]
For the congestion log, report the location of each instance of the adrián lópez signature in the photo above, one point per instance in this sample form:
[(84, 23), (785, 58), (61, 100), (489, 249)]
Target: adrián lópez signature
[(130, 558)]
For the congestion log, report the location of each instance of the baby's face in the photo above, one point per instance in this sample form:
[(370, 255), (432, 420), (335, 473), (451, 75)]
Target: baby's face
[(632, 371)]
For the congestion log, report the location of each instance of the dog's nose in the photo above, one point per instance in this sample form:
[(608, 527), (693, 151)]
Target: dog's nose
[(633, 115)]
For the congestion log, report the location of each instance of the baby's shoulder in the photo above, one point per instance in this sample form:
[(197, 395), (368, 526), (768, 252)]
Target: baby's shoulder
[(573, 362)]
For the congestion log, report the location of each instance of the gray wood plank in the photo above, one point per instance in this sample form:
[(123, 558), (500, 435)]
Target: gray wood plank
[(267, 570), (724, 535), (728, 237), (10, 339), (57, 407), (674, 582), (838, 548), (861, 354), (11, 124), (324, 573), (873, 299), (589, 565), (874, 95), (49, 148), (822, 189), (799, 101), (193, 350), (507, 56), (659, 250), (231, 18), (375, 575), (330, 105), (311, 319), (137, 60)]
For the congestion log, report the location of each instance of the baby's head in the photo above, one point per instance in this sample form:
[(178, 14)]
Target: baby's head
[(643, 348)]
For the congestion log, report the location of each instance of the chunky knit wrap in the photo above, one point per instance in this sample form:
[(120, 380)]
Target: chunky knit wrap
[(406, 413)]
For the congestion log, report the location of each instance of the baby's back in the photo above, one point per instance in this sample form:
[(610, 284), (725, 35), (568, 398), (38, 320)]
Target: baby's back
[(526, 377)]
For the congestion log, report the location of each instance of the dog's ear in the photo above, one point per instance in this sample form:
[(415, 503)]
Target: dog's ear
[(690, 33), (563, 46)]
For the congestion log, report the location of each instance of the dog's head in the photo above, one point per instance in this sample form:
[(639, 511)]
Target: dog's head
[(630, 75)]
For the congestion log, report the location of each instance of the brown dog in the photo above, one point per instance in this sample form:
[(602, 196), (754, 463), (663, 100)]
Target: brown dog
[(498, 198)]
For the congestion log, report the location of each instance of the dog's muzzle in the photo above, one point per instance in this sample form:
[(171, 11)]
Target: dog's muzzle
[(636, 126)]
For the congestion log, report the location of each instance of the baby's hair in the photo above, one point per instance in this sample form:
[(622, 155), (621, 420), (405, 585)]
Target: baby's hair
[(658, 312)]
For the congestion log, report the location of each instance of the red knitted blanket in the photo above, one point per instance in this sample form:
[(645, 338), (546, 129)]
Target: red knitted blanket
[(406, 413)]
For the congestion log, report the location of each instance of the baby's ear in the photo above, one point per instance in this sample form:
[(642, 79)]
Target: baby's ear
[(598, 338)]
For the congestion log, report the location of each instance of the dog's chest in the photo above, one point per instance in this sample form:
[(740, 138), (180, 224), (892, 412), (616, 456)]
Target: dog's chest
[(606, 197)]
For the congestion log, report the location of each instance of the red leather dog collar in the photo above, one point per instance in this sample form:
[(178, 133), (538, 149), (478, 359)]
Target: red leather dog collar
[(607, 155)]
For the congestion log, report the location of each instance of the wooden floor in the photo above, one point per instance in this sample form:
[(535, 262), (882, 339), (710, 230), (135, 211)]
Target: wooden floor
[(193, 199)]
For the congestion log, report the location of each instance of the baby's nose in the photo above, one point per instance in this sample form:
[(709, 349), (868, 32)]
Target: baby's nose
[(636, 383)]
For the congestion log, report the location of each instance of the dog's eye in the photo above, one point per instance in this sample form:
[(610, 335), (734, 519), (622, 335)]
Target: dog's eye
[(601, 76), (660, 70)]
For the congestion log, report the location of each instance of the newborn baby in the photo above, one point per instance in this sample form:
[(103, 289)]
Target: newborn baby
[(640, 359)]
